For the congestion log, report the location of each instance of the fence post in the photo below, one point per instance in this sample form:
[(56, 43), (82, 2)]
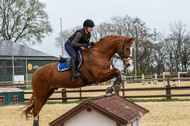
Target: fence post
[(19, 84), (156, 81), (143, 82), (80, 93), (64, 96), (168, 90), (123, 87)]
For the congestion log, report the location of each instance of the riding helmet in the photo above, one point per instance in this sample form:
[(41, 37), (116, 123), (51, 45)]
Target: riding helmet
[(88, 23)]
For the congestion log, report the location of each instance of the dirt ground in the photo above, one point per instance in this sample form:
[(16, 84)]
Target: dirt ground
[(161, 114)]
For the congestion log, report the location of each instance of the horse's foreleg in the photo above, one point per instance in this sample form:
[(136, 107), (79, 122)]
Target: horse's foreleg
[(111, 73), (118, 80)]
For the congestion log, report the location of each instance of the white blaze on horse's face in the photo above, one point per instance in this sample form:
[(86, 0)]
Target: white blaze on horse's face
[(129, 62), (131, 55)]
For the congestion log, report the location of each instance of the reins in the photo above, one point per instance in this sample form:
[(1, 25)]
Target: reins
[(114, 56)]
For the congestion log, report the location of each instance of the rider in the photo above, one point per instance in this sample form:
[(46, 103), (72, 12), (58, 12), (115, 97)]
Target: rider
[(79, 39)]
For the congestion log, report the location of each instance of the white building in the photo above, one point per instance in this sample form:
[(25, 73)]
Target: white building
[(107, 110)]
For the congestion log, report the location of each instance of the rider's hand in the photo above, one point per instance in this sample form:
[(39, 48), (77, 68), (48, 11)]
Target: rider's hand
[(85, 45), (91, 43)]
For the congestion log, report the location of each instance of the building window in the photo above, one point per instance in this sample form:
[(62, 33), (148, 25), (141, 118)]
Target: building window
[(1, 67), (9, 67), (15, 98), (17, 67), (1, 99)]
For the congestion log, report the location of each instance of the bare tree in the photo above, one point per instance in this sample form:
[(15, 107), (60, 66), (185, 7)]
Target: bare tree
[(23, 21), (179, 40), (159, 57)]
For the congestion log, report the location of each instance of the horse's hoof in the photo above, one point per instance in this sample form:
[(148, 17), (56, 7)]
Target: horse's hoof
[(116, 88), (36, 122), (109, 90)]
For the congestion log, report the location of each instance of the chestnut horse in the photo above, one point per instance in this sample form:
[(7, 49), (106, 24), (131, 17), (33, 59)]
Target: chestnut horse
[(47, 78)]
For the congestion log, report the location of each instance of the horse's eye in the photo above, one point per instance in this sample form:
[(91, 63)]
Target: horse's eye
[(127, 48)]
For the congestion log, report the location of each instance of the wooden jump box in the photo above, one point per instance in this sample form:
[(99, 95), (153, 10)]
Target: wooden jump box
[(9, 96), (106, 110)]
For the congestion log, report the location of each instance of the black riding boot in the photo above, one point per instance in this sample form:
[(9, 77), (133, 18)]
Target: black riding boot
[(73, 69)]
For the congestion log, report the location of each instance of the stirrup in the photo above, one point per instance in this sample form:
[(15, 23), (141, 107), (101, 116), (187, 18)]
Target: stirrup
[(74, 78), (77, 74)]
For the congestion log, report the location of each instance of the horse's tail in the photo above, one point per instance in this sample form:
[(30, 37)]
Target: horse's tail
[(29, 107)]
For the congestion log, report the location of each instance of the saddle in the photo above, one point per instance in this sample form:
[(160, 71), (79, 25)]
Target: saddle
[(65, 63)]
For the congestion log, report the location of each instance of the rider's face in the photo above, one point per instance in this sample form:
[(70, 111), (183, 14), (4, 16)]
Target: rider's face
[(89, 29)]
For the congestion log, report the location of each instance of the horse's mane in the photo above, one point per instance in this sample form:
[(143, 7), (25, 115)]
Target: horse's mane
[(108, 38)]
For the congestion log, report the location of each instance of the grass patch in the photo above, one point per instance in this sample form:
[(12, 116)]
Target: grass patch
[(158, 100)]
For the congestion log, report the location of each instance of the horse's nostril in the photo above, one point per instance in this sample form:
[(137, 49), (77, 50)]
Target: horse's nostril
[(128, 65)]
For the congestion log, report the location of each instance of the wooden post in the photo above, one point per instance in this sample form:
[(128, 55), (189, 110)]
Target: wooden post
[(19, 84), (80, 93), (123, 87), (64, 96), (168, 90), (4, 84)]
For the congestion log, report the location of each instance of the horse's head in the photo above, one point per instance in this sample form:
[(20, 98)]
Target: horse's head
[(125, 51), (110, 45)]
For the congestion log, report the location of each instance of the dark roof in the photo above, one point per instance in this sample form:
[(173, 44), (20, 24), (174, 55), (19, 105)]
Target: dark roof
[(120, 107), (7, 48), (113, 106)]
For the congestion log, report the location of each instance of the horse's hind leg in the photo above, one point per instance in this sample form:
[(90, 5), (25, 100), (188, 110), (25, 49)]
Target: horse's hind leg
[(37, 107), (39, 104)]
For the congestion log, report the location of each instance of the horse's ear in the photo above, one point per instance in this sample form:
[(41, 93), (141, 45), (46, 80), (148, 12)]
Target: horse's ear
[(131, 41)]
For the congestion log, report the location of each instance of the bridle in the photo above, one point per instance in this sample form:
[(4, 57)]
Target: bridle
[(121, 54)]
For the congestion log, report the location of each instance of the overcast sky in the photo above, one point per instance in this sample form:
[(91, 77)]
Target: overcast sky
[(155, 13)]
